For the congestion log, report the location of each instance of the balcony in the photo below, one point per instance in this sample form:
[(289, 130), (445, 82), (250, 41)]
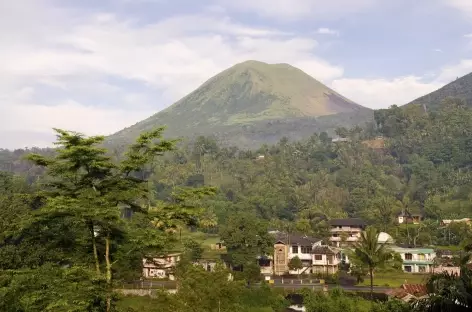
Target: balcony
[(346, 229), (348, 239), (302, 256)]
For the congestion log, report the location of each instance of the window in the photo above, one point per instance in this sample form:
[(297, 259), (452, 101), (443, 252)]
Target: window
[(318, 257), (335, 235), (408, 256), (407, 268), (306, 249), (421, 257), (294, 249), (422, 269)]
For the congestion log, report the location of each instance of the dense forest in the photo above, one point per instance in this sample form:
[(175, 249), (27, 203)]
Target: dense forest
[(64, 244), (408, 161)]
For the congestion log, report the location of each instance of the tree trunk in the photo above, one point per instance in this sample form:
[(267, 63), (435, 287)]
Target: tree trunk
[(108, 270), (371, 271), (94, 247)]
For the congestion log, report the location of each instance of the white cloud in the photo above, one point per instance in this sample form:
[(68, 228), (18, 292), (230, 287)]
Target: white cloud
[(468, 36), (438, 50), (381, 93), (59, 71), (296, 9), (99, 73), (327, 31), (464, 6)]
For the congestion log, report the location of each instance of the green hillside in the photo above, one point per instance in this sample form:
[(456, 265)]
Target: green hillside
[(460, 88), (245, 103)]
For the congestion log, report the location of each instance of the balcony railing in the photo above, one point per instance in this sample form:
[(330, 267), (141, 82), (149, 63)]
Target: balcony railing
[(346, 229)]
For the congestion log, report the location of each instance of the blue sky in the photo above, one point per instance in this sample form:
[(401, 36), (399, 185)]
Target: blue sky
[(97, 66)]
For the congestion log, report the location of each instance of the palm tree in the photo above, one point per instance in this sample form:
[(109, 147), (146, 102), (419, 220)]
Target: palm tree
[(369, 253), (208, 220)]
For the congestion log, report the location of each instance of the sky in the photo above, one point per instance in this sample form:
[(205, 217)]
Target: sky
[(97, 66)]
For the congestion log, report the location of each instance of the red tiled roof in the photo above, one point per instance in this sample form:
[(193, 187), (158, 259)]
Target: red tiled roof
[(417, 290)]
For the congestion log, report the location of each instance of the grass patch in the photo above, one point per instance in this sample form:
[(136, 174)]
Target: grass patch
[(162, 303), (205, 239), (450, 247), (395, 279)]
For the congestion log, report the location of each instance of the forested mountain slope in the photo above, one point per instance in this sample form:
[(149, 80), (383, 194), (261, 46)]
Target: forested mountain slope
[(460, 88), (253, 103)]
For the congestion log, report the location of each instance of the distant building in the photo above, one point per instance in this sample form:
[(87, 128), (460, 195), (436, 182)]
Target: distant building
[(337, 140), (416, 260), (467, 221), (289, 246), (346, 231), (326, 259), (160, 266), (409, 218)]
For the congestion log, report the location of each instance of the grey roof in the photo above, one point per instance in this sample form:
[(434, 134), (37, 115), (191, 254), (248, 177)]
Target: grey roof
[(324, 250), (296, 239), (347, 222)]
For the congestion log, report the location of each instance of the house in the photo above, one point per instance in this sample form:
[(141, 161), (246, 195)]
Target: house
[(218, 246), (345, 231), (286, 247), (326, 259), (416, 260), (160, 266), (409, 218), (409, 292)]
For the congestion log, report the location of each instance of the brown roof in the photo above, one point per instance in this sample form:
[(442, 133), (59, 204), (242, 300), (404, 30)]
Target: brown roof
[(348, 222)]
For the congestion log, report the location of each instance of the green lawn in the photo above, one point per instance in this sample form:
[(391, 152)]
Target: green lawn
[(450, 247), (396, 279), (145, 303), (203, 238)]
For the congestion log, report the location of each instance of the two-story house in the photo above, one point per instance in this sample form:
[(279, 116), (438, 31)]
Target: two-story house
[(288, 246), (345, 232), (416, 260), (326, 259), (160, 266)]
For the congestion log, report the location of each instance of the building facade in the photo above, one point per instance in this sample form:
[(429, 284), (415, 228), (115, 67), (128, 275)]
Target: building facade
[(289, 246), (416, 260), (160, 266), (345, 232)]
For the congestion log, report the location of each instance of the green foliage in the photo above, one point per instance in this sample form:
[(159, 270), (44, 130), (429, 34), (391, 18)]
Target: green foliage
[(246, 237), (193, 249), (295, 264), (52, 288), (371, 255), (338, 301), (75, 222)]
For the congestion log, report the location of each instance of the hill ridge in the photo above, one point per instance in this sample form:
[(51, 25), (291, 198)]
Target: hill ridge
[(459, 88)]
